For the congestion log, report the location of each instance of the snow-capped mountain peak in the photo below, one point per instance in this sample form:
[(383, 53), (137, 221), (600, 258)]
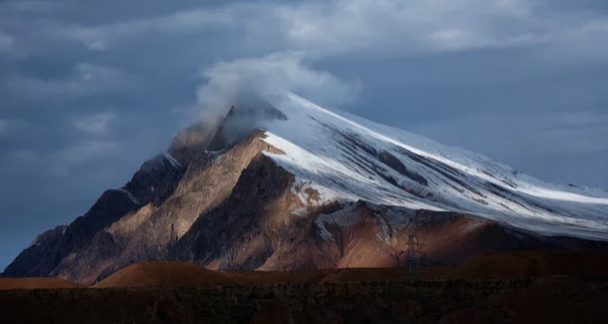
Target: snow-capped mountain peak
[(286, 184), (347, 158)]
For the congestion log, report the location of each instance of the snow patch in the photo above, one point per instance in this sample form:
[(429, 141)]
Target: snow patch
[(173, 161), (385, 229), (300, 212), (133, 199), (343, 218), (323, 232), (311, 194)]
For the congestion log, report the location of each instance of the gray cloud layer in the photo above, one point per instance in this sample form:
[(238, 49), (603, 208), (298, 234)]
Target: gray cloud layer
[(88, 90)]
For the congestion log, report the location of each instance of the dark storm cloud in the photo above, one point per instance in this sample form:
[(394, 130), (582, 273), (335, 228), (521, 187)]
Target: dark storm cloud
[(89, 90)]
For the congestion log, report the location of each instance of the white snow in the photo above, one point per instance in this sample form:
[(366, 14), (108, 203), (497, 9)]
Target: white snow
[(300, 212), (172, 160), (301, 189), (342, 218), (133, 199), (385, 230), (318, 152), (323, 232)]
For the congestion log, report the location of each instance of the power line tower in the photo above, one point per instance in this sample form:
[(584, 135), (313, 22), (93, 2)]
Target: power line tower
[(412, 260)]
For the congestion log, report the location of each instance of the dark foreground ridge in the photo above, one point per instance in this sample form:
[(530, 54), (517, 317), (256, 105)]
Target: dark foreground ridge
[(518, 287), (560, 299)]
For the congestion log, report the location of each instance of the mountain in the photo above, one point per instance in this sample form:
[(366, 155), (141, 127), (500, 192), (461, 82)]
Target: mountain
[(286, 184)]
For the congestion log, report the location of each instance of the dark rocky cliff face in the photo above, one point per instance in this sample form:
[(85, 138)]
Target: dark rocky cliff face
[(40, 256), (155, 180)]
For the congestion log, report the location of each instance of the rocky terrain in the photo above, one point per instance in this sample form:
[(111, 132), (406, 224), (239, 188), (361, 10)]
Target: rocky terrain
[(292, 186)]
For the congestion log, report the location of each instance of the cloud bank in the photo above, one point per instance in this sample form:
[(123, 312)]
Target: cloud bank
[(318, 30), (393, 27)]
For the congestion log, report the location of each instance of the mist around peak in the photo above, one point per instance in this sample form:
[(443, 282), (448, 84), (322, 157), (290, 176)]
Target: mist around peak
[(252, 83), (240, 96)]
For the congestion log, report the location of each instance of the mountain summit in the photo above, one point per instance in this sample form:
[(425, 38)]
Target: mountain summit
[(291, 185)]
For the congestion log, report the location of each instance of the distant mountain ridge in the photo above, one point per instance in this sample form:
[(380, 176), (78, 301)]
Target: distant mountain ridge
[(290, 185)]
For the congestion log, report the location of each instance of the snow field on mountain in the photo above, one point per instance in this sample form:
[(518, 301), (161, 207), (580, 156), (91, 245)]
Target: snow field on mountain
[(338, 156)]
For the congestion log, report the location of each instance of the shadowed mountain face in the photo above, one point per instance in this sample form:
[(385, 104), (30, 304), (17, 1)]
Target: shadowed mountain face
[(151, 185), (303, 188)]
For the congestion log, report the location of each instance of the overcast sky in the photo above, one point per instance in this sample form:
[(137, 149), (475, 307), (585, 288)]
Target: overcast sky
[(90, 89)]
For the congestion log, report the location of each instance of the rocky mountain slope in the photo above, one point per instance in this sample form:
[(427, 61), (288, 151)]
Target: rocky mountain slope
[(290, 185)]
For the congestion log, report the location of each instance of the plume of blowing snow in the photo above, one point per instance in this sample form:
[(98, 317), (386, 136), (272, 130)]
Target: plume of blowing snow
[(265, 79)]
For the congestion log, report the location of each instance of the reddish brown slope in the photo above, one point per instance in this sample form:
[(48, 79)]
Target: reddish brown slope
[(146, 274), (492, 266), (37, 283)]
